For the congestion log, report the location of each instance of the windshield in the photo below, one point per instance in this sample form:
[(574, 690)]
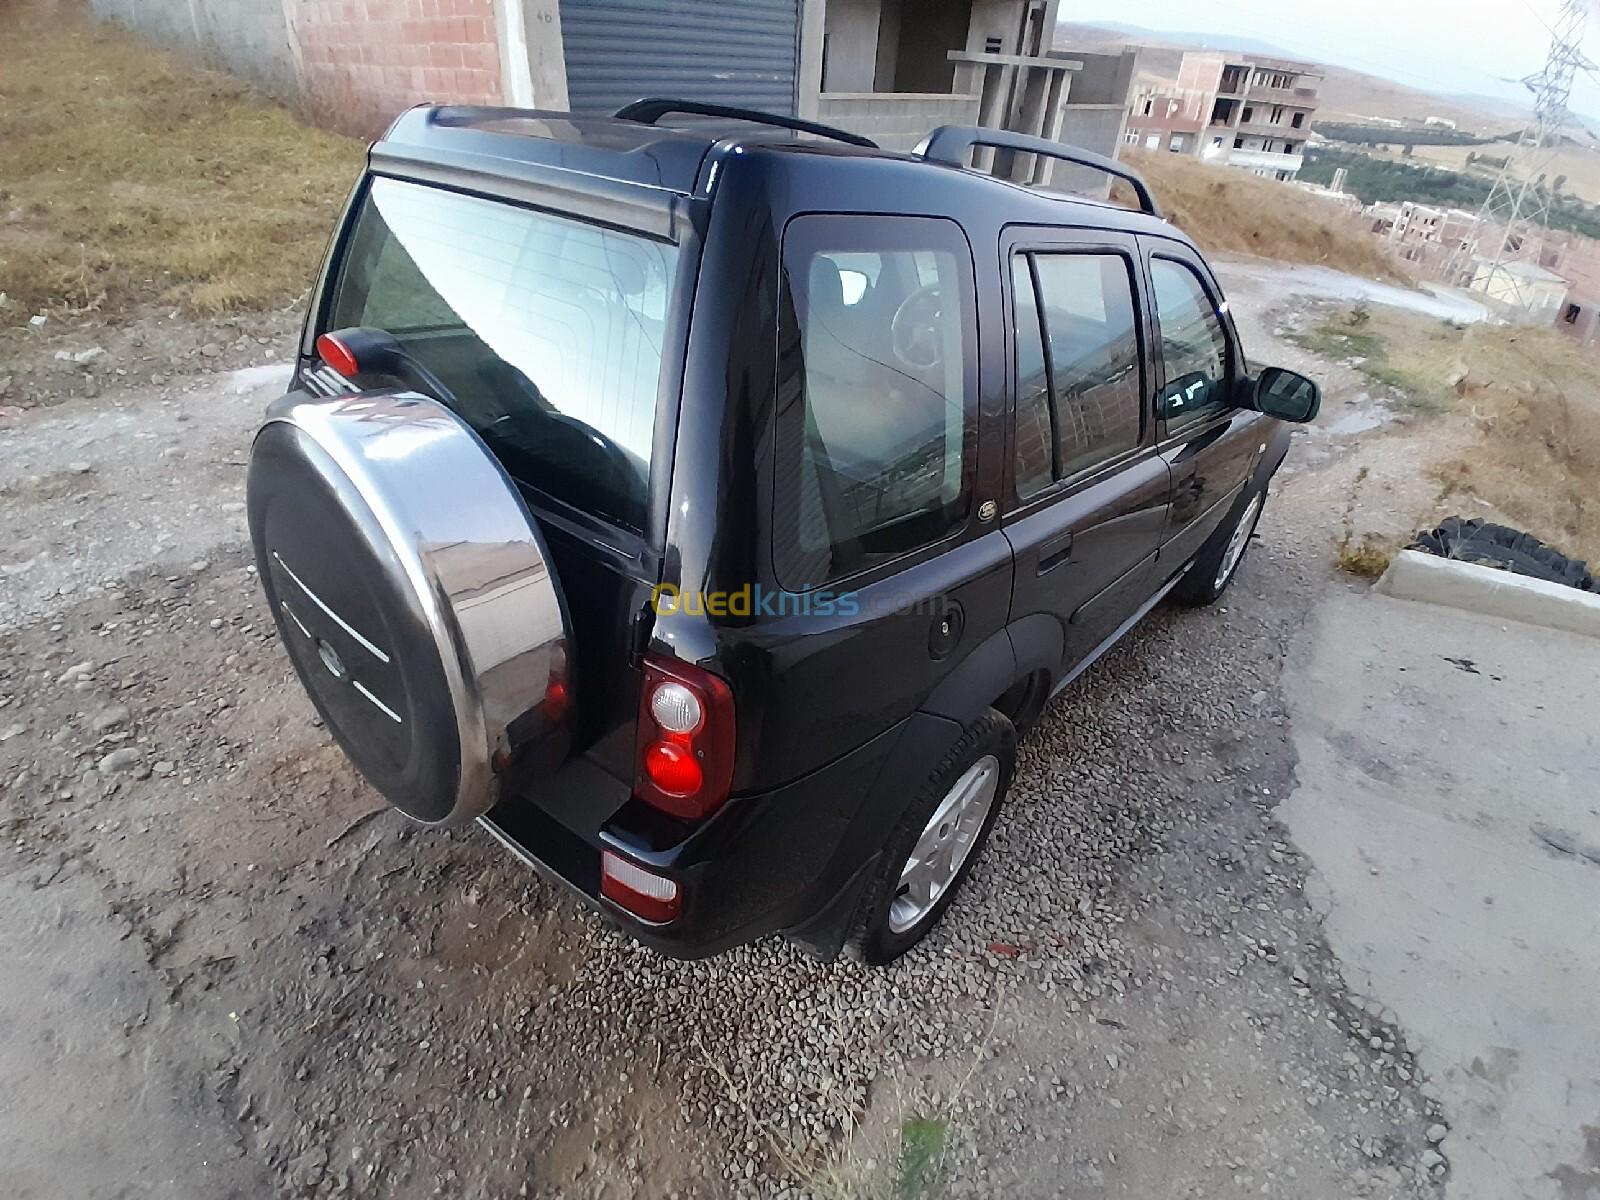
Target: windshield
[(546, 331)]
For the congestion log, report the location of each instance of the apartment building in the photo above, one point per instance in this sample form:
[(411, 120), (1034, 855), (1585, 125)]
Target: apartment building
[(1237, 110), (1577, 260), (1164, 117), (1430, 237)]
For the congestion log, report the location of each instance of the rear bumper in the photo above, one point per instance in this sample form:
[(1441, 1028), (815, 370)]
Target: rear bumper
[(791, 860)]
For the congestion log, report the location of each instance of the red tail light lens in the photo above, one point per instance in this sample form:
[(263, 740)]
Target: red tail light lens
[(686, 739), (338, 356), (673, 768), (642, 892)]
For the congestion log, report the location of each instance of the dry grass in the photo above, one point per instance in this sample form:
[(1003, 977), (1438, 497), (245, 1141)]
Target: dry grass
[(1405, 359), (1367, 557), (1532, 398), (1231, 210), (131, 176)]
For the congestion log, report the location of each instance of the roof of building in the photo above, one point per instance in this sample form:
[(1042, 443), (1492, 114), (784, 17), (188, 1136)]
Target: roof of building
[(1231, 58), (1531, 272), (1278, 64)]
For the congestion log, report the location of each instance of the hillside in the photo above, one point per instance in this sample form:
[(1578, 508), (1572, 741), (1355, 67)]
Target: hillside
[(1346, 94), (1194, 40), (1353, 95), (1576, 166), (1236, 212)]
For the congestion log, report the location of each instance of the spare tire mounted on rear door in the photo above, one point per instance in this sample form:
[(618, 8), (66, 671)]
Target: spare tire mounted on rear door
[(414, 595)]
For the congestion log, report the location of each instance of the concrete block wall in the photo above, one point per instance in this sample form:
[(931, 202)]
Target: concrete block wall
[(1096, 127), (249, 38), (896, 121)]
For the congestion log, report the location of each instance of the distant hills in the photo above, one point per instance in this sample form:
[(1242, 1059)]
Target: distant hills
[(1188, 39), (1346, 94)]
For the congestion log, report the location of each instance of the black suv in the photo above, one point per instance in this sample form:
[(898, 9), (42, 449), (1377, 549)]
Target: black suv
[(706, 514)]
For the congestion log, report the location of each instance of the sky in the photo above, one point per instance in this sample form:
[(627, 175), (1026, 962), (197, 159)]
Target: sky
[(1436, 45)]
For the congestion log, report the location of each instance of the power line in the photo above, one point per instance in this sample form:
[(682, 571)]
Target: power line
[(1516, 213)]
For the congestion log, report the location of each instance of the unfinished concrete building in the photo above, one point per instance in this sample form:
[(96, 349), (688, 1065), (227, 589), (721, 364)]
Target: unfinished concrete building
[(893, 69), (1236, 110)]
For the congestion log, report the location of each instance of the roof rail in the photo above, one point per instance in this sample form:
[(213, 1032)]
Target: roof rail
[(950, 144), (650, 110)]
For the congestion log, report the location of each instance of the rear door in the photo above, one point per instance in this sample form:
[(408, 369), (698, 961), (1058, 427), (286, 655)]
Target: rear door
[(886, 569), (1210, 444), (547, 335), (1087, 490)]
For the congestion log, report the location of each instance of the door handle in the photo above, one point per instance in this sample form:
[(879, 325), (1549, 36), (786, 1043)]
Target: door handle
[(1055, 551), (1199, 442)]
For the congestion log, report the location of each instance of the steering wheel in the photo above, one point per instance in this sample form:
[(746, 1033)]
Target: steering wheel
[(914, 332)]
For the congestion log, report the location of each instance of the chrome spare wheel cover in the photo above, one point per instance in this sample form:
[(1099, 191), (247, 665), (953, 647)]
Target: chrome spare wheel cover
[(1238, 540), (414, 595), (946, 842)]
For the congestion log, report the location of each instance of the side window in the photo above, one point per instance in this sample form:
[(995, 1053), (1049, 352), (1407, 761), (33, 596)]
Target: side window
[(1080, 390), (1035, 436), (1194, 345), (876, 393)]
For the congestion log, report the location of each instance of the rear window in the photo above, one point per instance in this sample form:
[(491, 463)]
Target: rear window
[(547, 332)]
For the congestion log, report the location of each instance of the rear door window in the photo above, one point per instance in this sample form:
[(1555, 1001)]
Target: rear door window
[(1080, 383), (876, 395), (546, 331)]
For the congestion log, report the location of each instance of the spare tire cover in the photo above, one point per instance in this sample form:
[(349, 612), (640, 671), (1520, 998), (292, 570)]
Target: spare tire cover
[(414, 595)]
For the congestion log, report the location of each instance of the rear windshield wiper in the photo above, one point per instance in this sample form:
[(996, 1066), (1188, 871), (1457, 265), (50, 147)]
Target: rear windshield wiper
[(362, 350)]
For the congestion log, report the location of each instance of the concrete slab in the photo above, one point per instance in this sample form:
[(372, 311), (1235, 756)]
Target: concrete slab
[(1415, 575), (1449, 797)]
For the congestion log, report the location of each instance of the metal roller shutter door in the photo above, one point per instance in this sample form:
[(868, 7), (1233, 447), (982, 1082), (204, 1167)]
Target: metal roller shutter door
[(740, 52)]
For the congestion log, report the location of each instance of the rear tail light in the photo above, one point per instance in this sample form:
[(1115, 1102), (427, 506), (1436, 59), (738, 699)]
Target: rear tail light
[(685, 752), (333, 351), (648, 896)]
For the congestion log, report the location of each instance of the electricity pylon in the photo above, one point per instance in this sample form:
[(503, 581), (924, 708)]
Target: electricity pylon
[(1516, 213)]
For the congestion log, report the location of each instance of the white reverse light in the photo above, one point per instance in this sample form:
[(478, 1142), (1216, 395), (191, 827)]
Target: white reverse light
[(675, 708)]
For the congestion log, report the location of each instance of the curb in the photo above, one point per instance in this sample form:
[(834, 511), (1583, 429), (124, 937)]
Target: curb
[(1414, 575)]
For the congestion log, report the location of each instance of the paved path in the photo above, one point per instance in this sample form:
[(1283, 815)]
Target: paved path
[(1449, 798)]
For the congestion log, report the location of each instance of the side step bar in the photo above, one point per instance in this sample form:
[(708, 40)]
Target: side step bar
[(1116, 636)]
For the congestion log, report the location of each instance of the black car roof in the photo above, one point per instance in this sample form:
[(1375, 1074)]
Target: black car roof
[(608, 163)]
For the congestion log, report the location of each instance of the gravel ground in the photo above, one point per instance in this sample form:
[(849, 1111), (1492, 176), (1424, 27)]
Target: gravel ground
[(238, 974)]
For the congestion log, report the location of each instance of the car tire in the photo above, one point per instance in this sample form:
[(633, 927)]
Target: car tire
[(949, 819), (1218, 562)]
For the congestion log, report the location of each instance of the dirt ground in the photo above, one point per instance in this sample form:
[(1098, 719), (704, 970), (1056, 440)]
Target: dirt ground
[(232, 972)]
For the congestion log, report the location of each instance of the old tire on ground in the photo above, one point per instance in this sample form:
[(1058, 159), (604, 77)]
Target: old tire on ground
[(1218, 560), (938, 838), (1479, 541)]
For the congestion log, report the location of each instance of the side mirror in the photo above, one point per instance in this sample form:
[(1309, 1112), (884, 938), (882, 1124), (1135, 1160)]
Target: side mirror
[(1287, 395)]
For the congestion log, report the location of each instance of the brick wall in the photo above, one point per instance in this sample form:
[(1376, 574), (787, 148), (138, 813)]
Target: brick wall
[(363, 61)]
